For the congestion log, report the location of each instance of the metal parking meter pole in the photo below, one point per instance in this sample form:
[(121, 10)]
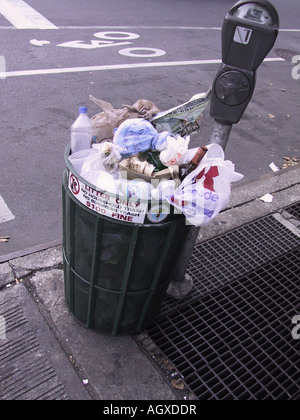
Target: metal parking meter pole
[(220, 134), (249, 32)]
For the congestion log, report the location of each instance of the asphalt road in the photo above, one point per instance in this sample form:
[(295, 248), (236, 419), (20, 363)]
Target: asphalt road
[(121, 51)]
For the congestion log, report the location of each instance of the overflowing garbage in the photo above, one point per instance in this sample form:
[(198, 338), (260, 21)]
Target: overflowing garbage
[(139, 153)]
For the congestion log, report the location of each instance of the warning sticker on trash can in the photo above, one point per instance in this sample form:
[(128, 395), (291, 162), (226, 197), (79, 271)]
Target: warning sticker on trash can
[(107, 205)]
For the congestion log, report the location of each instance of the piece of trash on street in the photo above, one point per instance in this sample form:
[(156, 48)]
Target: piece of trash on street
[(289, 161), (267, 198), (4, 239), (177, 383), (272, 116), (38, 43), (85, 381), (274, 167)]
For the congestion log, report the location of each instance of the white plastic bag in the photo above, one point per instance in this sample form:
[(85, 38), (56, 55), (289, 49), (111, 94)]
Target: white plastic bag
[(206, 190), (136, 189), (110, 156), (79, 158), (94, 171), (176, 147)]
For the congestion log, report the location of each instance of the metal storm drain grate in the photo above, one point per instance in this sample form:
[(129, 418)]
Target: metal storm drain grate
[(230, 256), (232, 339), (294, 210)]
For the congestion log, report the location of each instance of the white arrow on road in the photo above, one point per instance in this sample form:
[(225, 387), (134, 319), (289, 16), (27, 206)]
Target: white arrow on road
[(92, 45), (5, 213)]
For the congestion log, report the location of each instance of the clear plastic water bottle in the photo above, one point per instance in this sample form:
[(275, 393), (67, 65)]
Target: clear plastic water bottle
[(81, 131)]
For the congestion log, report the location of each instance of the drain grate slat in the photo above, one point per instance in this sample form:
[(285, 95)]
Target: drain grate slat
[(233, 255), (294, 210), (232, 339)]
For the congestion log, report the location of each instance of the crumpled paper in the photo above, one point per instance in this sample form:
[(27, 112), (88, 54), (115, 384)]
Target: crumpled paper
[(110, 118)]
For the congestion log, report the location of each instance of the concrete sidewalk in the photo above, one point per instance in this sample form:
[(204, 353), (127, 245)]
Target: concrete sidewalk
[(46, 354)]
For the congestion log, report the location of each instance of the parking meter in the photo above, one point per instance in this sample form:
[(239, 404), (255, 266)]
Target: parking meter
[(249, 32)]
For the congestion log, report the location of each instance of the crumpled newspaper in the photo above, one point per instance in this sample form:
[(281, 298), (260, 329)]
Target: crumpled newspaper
[(110, 118), (184, 119)]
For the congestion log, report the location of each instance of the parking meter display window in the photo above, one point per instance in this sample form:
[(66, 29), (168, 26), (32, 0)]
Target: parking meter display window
[(255, 13)]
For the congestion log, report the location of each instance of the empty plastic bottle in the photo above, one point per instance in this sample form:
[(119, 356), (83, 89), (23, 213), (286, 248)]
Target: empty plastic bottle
[(81, 131)]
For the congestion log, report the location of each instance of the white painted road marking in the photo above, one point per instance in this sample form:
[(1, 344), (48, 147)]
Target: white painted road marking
[(94, 44), (142, 52), (120, 36), (5, 213), (116, 67), (39, 43), (176, 28), (113, 35), (23, 16)]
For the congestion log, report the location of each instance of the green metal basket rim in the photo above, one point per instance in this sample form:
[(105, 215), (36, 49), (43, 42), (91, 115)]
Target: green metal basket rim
[(89, 184), (119, 222)]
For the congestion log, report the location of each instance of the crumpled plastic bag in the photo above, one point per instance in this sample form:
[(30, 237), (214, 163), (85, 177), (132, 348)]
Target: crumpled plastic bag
[(176, 148), (135, 190), (105, 157), (106, 121), (110, 156), (164, 189), (100, 179), (101, 169), (143, 108), (138, 135), (77, 159), (206, 190)]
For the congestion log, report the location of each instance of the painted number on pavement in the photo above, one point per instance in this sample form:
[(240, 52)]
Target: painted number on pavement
[(113, 39)]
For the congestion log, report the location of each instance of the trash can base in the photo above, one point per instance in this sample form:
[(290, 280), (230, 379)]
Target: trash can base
[(179, 290), (116, 273)]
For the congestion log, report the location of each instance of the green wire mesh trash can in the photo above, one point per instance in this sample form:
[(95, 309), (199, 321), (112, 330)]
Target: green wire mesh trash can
[(117, 263)]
